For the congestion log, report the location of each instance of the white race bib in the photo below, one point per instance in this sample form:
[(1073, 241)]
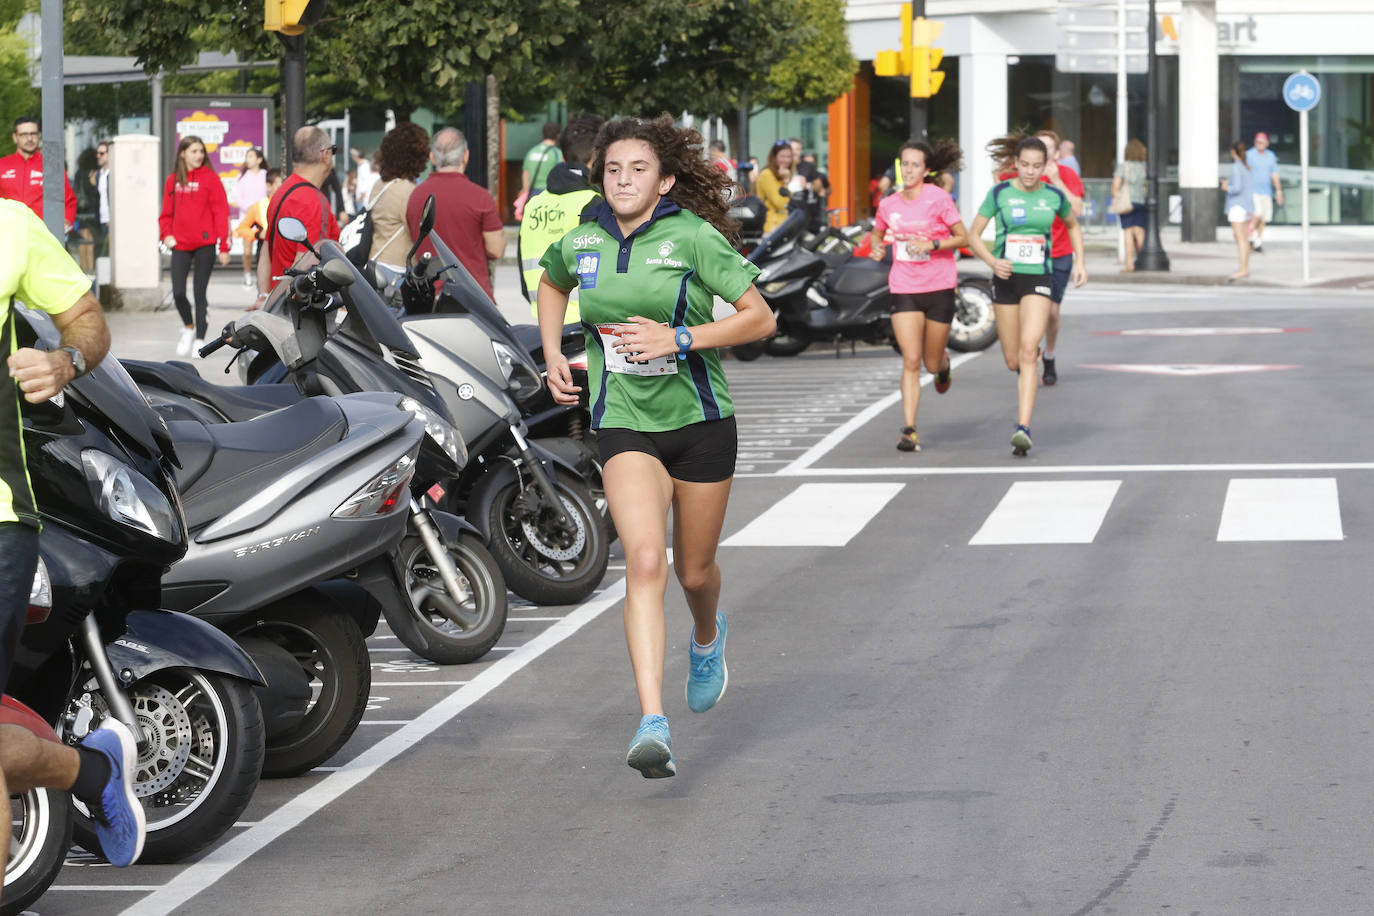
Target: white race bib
[(616, 361), (1026, 249), (902, 253)]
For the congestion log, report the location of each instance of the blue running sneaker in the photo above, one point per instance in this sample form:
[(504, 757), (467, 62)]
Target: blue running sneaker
[(707, 674), (119, 822), (1021, 441), (651, 751)]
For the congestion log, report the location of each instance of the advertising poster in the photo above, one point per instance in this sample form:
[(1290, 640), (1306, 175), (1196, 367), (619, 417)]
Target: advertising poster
[(229, 126)]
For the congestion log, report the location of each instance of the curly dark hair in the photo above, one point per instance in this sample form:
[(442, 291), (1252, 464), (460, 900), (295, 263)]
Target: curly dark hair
[(700, 186), (404, 152), (944, 156)]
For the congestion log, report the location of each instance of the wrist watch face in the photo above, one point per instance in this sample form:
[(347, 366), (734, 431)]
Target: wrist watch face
[(78, 361), (684, 338)]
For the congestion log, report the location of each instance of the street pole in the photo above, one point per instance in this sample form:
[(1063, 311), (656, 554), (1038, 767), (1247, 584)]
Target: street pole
[(1306, 249), (920, 117), (742, 143), (293, 91), (475, 127), (1152, 256), (1122, 127), (54, 122)]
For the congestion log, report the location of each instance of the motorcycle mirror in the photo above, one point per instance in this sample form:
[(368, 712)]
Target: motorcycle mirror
[(292, 229), (426, 226)]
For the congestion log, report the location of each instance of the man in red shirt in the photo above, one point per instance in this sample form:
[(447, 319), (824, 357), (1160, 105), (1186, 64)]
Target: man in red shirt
[(1061, 249), (21, 173), (465, 214), (312, 159)]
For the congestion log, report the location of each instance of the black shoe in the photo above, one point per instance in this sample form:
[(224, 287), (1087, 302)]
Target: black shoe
[(1050, 375), (909, 441)]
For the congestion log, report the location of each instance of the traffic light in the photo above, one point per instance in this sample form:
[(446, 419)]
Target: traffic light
[(926, 77), (290, 17)]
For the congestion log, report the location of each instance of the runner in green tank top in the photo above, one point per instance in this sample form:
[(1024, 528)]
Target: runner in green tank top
[(647, 271), (1024, 209)]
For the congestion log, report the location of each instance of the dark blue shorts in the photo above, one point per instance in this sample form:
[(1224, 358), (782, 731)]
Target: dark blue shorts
[(1063, 269), (19, 547)]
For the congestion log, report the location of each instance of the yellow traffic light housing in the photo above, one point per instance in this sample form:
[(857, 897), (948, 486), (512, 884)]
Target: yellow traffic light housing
[(926, 77), (290, 17)]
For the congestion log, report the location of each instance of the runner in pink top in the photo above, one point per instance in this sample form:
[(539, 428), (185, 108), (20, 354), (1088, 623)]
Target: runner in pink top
[(923, 228)]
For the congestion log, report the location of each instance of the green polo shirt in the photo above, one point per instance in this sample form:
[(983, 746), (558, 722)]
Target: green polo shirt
[(37, 270), (669, 270), (1024, 222)]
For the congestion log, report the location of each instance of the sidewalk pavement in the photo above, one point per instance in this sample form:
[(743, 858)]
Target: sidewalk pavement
[(1340, 259)]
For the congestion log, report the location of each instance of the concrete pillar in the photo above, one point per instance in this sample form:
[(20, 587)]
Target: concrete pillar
[(1199, 144), (135, 201), (982, 116)]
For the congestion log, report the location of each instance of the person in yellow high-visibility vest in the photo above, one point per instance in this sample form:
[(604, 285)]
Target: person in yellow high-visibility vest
[(550, 213)]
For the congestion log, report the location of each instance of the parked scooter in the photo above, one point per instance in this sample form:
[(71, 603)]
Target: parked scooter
[(449, 611), (820, 292), (101, 465)]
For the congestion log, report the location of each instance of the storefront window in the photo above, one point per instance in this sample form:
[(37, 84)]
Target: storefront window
[(890, 114)]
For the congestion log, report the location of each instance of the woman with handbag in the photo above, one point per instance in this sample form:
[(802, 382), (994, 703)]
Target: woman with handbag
[(402, 156), (1128, 199)]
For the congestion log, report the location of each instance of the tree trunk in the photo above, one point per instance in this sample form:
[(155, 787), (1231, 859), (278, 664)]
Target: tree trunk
[(494, 163)]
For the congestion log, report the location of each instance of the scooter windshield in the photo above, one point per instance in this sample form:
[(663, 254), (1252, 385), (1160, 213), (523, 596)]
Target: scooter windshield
[(368, 316), (464, 289), (109, 389)]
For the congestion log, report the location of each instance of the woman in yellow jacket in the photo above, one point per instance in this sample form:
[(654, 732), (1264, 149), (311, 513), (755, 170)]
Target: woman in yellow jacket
[(772, 184)]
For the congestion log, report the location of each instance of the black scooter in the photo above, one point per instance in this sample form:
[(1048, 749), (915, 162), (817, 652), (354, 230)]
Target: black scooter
[(101, 463)]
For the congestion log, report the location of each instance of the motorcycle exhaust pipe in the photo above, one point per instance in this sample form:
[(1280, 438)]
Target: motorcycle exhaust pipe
[(448, 572)]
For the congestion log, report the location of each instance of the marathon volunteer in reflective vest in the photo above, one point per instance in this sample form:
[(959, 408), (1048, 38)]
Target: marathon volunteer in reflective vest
[(648, 268), (565, 202), (1022, 267)]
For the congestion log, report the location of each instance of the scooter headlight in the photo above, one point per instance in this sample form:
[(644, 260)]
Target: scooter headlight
[(518, 373), (440, 430), (40, 595), (127, 497)]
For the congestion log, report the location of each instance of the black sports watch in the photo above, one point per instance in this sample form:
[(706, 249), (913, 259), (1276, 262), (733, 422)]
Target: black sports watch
[(684, 340), (78, 361)]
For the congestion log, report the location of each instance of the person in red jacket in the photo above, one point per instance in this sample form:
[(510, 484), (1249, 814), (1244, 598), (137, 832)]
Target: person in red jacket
[(194, 221), (21, 173)]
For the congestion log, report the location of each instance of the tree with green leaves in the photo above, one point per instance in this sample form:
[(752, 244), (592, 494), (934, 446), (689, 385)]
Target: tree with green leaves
[(18, 99)]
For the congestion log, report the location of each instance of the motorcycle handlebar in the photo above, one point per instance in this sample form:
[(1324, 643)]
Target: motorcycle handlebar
[(214, 345)]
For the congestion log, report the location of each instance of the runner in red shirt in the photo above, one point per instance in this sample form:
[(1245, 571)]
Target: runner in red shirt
[(923, 228), (1061, 249), (21, 173), (193, 223), (312, 160)]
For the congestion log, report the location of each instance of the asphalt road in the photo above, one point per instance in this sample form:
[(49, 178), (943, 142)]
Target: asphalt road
[(1127, 674)]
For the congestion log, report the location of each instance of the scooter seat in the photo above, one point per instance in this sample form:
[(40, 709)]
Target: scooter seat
[(858, 277), (219, 462), (236, 402)]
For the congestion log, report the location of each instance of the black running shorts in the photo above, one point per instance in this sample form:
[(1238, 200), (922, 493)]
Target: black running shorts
[(698, 453), (1016, 287), (937, 305)]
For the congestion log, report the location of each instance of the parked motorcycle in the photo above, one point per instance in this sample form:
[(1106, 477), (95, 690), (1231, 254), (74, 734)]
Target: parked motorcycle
[(101, 464), (821, 292)]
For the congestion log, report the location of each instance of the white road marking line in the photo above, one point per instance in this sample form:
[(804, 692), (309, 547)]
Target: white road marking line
[(418, 683), (1049, 512), (503, 648), (385, 721), (1038, 470), (838, 435), (387, 649), (816, 515), (224, 858), (105, 888), (1281, 509)]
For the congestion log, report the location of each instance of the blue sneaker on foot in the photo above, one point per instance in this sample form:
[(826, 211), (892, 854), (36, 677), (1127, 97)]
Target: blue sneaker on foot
[(707, 674), (119, 822), (651, 751)]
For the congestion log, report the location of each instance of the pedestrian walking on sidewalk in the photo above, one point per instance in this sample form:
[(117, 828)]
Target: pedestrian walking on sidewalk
[(1025, 210), (249, 188), (194, 223), (1130, 175), (923, 228), (648, 267), (1268, 190), (1240, 206)]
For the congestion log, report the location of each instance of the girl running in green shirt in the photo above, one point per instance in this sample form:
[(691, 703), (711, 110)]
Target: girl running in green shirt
[(647, 269), (1024, 209)]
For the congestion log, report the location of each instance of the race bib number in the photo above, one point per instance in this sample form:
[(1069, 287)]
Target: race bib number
[(1026, 249), (616, 361), (903, 253)]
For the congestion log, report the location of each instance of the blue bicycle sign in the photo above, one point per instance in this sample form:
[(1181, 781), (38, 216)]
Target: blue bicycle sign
[(1301, 91)]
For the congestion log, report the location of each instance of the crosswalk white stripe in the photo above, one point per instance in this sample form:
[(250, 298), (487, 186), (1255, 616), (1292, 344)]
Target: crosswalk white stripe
[(1281, 509), (816, 515), (1049, 512)]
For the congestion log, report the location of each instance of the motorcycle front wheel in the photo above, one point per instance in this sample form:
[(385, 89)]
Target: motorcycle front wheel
[(198, 764), (424, 627), (975, 323), (542, 560), (40, 835)]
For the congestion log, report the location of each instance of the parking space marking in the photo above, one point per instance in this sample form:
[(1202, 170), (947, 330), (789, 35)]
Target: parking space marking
[(224, 858), (1049, 512), (418, 683)]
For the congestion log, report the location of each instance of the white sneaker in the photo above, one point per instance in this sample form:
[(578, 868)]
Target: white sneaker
[(184, 344), (195, 347)]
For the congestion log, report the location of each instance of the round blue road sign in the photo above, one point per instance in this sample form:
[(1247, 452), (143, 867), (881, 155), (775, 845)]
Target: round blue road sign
[(1301, 91)]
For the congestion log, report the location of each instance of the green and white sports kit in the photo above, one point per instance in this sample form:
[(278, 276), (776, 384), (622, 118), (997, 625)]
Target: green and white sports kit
[(1024, 221), (667, 270)]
